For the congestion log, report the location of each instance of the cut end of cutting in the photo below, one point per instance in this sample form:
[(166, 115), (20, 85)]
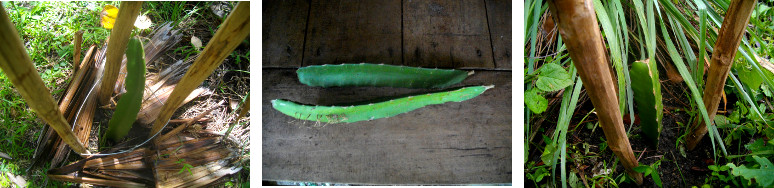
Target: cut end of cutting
[(488, 87), (471, 73), (274, 102)]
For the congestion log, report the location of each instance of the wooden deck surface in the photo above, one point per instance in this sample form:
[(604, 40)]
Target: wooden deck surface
[(465, 142)]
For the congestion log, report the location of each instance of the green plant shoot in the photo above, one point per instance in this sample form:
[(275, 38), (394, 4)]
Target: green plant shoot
[(647, 95), (129, 104), (761, 175), (379, 75), (349, 114)]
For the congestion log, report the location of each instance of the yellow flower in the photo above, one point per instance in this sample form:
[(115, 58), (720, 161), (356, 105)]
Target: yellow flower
[(109, 14)]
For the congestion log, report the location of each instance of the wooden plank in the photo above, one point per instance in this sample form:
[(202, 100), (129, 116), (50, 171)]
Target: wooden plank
[(452, 143), (499, 19), (446, 34), (347, 31), (284, 27)]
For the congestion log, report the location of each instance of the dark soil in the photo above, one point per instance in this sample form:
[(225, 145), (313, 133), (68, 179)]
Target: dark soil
[(675, 170)]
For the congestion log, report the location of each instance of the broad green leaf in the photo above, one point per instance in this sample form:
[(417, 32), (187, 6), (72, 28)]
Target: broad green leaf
[(761, 175), (535, 102), (655, 176), (747, 53), (721, 120), (747, 98), (713, 167), (548, 154), (760, 10), (748, 76), (538, 175), (757, 148), (759, 145), (645, 169), (647, 92), (553, 77), (650, 170), (575, 181)]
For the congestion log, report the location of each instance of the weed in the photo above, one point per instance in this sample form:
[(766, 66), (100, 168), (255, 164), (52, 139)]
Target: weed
[(651, 170), (186, 167), (719, 175), (536, 173)]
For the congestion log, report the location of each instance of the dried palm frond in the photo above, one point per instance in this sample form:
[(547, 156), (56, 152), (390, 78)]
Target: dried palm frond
[(79, 99), (74, 104), (157, 93), (185, 159)]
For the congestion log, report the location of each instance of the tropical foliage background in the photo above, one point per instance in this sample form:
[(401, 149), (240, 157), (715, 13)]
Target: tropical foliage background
[(563, 145)]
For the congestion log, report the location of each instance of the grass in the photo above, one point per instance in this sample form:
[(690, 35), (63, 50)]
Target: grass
[(47, 29), (675, 34), (50, 48)]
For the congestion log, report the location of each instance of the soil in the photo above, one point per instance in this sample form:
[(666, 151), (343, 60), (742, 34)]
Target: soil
[(675, 170)]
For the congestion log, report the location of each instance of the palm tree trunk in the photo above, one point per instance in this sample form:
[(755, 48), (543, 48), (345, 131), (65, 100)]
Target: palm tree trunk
[(226, 39), (579, 28), (729, 37), (119, 38)]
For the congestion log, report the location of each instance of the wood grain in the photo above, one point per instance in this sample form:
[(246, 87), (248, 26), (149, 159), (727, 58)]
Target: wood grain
[(446, 34), (70, 106), (77, 40), (499, 19), (451, 143), (734, 24), (284, 27), (119, 38), (347, 31)]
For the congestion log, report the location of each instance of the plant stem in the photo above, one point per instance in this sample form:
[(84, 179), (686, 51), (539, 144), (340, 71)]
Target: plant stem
[(730, 35), (226, 39), (244, 105), (579, 28), (77, 40), (119, 38)]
